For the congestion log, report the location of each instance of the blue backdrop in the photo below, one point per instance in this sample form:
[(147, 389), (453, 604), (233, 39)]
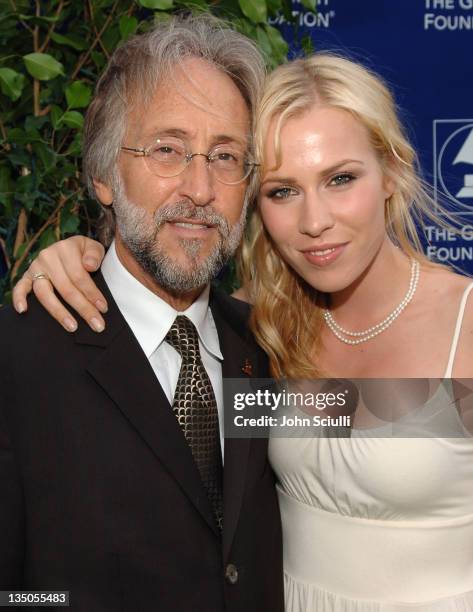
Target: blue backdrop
[(424, 49)]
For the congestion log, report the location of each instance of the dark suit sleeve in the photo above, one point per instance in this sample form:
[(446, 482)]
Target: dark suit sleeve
[(11, 496)]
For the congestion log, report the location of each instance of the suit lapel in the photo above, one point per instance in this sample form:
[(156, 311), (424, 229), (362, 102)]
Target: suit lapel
[(238, 350), (125, 375)]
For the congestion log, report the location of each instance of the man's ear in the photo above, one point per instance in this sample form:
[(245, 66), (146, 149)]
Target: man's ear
[(104, 193)]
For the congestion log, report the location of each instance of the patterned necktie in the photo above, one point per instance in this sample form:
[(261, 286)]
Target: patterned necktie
[(195, 408)]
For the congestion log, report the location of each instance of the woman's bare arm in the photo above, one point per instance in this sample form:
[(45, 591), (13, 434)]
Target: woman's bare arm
[(67, 266)]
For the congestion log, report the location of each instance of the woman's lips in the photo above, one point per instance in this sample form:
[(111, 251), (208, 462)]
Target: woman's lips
[(325, 255)]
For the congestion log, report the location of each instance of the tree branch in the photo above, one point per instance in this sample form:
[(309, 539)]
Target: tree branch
[(36, 91), (36, 237), (23, 23), (44, 111), (36, 85), (63, 142), (3, 246), (20, 231), (92, 19), (51, 28), (4, 134), (36, 28), (94, 44)]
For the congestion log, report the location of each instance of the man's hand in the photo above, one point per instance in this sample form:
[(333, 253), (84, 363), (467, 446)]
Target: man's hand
[(65, 267)]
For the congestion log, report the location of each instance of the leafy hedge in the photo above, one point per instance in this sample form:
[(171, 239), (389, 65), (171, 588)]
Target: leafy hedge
[(51, 53)]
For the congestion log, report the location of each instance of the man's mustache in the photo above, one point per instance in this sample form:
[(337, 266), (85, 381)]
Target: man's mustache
[(186, 210)]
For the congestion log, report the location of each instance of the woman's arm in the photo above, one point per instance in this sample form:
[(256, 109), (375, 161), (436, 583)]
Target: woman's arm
[(66, 265)]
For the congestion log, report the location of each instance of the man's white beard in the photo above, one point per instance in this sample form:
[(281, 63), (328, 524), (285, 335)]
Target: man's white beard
[(139, 231)]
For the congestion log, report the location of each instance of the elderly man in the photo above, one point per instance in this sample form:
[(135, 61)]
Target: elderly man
[(111, 447)]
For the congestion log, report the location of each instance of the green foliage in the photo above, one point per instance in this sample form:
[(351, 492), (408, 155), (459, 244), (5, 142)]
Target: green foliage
[(161, 5), (255, 10), (310, 5), (42, 66), (11, 83), (78, 95), (51, 53)]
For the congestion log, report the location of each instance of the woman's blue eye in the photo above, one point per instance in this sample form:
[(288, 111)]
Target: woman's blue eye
[(280, 193), (342, 179)]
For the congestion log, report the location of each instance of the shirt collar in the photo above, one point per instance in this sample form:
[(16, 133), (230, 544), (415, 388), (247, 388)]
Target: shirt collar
[(148, 315)]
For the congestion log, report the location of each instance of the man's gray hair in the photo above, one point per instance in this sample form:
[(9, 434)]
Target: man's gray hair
[(139, 65)]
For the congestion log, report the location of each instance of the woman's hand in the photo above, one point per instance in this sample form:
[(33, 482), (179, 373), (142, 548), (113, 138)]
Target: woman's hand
[(65, 267)]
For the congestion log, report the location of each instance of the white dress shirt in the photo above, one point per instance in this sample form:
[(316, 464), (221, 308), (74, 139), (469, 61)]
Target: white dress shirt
[(150, 319)]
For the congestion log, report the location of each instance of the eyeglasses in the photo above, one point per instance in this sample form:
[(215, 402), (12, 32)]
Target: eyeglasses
[(168, 157)]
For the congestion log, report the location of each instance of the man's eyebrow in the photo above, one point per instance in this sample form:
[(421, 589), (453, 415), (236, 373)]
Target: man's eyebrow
[(273, 176), (159, 132), (229, 138), (185, 135)]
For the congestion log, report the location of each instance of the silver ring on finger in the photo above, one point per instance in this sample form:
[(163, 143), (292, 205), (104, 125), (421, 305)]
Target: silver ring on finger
[(39, 276)]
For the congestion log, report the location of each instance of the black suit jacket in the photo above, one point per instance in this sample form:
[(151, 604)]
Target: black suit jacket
[(99, 492)]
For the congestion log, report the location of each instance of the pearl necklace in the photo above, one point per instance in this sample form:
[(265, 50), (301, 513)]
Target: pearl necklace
[(363, 336)]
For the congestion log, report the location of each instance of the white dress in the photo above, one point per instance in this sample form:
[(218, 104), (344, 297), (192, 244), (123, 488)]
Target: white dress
[(380, 524)]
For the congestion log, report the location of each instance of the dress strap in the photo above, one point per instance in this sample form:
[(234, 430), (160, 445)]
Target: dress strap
[(456, 335)]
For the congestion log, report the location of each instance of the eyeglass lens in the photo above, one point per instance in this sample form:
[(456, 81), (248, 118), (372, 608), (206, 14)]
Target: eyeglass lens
[(169, 157)]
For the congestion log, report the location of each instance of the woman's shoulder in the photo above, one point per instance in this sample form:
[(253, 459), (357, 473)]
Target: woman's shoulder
[(443, 284), (450, 292)]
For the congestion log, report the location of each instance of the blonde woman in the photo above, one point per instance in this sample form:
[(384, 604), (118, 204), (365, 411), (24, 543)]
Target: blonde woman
[(333, 267), (339, 284)]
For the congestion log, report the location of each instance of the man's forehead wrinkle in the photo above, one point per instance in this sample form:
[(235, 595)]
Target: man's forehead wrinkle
[(137, 109), (238, 131), (185, 134), (182, 73)]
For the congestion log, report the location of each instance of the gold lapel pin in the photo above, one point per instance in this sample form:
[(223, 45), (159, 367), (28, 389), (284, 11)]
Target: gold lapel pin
[(247, 368)]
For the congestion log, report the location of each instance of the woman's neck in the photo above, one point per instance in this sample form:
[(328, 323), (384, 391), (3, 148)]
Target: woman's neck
[(376, 293)]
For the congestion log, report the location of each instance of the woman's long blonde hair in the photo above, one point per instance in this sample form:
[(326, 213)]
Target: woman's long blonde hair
[(286, 317)]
